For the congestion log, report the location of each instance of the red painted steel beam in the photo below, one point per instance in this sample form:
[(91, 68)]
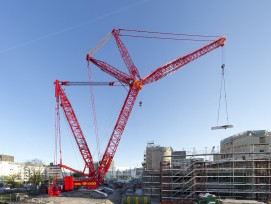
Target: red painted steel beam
[(173, 66), (75, 127), (126, 56), (73, 170), (71, 83), (135, 87), (118, 130), (109, 69)]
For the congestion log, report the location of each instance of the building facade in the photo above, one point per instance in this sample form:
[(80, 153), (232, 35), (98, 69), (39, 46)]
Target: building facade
[(156, 155), (6, 158), (9, 168), (23, 171), (256, 141), (241, 170)]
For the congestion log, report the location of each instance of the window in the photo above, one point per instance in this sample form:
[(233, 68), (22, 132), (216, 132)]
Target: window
[(262, 139)]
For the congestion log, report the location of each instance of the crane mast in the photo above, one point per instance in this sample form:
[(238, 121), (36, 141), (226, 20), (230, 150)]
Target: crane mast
[(135, 83), (117, 132)]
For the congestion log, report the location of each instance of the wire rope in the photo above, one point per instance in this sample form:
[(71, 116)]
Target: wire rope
[(71, 142), (166, 38), (94, 112), (225, 93), (168, 34), (107, 37), (110, 125), (219, 101), (59, 139), (57, 135), (56, 132), (223, 88)]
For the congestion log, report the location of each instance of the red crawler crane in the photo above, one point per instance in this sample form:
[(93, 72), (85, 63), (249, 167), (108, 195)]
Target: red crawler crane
[(136, 83), (63, 101)]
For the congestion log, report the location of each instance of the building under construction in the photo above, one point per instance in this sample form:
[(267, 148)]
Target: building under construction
[(241, 170)]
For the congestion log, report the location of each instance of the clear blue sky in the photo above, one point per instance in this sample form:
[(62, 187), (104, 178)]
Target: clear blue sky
[(42, 41)]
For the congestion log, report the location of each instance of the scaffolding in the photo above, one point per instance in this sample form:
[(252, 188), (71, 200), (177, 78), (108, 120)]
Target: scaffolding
[(243, 176)]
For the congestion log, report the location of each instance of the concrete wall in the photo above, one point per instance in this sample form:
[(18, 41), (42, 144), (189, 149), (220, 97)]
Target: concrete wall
[(249, 141), (12, 168), (9, 168), (155, 155), (6, 158)]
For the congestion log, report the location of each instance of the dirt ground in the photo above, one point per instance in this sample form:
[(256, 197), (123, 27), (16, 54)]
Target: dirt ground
[(232, 201), (73, 198)]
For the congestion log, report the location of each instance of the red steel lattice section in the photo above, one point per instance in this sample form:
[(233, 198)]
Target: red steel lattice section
[(135, 82), (75, 127)]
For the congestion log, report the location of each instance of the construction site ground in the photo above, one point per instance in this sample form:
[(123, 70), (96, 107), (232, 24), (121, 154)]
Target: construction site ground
[(74, 197), (80, 197)]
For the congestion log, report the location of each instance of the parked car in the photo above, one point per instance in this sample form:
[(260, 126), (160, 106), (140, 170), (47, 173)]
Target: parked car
[(106, 190), (98, 194), (129, 192)]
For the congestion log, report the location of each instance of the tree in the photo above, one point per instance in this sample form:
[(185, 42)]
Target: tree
[(12, 180), (34, 170), (37, 178), (77, 175)]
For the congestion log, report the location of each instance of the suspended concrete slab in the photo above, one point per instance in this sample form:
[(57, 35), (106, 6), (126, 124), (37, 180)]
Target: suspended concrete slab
[(221, 127)]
